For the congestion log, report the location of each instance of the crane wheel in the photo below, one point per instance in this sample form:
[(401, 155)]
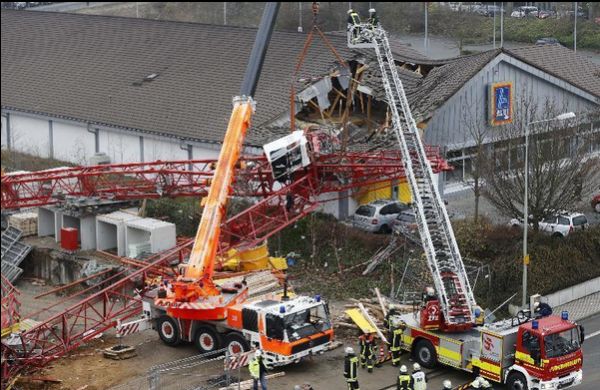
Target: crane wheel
[(516, 381), (168, 330), (425, 354), (207, 339), (236, 343)]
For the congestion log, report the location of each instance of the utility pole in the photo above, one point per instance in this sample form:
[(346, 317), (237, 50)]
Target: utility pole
[(575, 30), (502, 25), (426, 44), (299, 16), (494, 25)]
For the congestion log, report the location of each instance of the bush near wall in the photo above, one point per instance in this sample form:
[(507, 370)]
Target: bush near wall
[(555, 263)]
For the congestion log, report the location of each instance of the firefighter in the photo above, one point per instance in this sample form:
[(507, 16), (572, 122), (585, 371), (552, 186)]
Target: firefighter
[(475, 384), (418, 378), (370, 351), (258, 371), (447, 385), (350, 369), (353, 24), (541, 309), (366, 342), (484, 384), (404, 380), (396, 339), (373, 18)]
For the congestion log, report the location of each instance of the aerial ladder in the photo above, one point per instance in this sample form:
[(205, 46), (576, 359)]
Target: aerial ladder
[(455, 296)]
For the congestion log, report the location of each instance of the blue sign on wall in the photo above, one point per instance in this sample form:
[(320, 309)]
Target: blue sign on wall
[(501, 103)]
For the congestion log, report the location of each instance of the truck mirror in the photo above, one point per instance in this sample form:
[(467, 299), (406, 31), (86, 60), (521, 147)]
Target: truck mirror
[(581, 334)]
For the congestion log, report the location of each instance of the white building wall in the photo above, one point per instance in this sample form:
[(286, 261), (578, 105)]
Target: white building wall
[(30, 135), (72, 142), (119, 146), (3, 136), (157, 149)]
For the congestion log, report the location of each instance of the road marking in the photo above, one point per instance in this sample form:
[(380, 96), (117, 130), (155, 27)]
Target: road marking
[(592, 335)]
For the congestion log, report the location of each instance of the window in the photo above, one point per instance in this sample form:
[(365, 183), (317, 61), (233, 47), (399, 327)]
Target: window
[(564, 221), (560, 344), (529, 342), (366, 211), (581, 220), (549, 219)]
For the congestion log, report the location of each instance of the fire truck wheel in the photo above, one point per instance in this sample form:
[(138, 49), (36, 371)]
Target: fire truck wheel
[(168, 330), (516, 381), (236, 343), (425, 354), (207, 339)]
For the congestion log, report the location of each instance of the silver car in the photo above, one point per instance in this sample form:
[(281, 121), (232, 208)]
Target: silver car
[(378, 216)]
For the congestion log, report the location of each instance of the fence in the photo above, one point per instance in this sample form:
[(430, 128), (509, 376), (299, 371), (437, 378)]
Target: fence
[(213, 370)]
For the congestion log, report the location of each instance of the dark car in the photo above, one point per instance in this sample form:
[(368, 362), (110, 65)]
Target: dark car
[(547, 41)]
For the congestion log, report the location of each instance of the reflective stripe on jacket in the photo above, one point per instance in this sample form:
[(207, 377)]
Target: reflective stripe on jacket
[(254, 368)]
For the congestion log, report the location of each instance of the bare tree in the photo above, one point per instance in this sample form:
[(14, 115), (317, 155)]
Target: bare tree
[(476, 129), (560, 166)]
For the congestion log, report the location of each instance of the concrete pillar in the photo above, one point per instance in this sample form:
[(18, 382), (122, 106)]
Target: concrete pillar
[(110, 231), (147, 234), (46, 222), (58, 224)]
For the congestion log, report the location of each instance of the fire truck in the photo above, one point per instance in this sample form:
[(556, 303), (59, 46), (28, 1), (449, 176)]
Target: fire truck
[(523, 352)]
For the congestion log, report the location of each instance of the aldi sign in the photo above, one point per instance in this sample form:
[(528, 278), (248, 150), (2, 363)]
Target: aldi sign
[(501, 103)]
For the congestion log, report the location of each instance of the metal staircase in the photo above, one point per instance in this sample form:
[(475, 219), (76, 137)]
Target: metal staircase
[(444, 260)]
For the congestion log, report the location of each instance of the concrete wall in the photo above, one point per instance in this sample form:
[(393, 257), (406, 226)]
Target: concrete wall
[(110, 231), (74, 142), (46, 222), (161, 235), (574, 292)]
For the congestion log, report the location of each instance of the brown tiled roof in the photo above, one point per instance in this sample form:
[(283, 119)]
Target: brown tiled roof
[(563, 63), (444, 81), (92, 68)]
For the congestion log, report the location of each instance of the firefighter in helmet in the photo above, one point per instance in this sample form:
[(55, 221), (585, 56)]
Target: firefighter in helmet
[(351, 369)]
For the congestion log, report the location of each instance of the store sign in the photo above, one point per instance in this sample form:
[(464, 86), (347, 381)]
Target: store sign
[(501, 103)]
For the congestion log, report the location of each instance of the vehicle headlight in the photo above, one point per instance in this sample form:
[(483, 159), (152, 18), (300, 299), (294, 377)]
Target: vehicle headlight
[(546, 386)]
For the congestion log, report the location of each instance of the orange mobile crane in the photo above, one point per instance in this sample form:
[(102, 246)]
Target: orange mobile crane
[(212, 316)]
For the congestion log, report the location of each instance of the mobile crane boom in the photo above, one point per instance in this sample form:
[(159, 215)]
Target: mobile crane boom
[(202, 257)]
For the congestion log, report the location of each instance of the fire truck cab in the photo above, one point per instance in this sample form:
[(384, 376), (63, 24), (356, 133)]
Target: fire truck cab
[(523, 353)]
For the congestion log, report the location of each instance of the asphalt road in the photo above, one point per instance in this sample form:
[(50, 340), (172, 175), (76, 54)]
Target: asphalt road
[(591, 354)]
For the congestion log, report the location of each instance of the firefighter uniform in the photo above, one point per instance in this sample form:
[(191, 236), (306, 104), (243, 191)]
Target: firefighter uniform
[(350, 370), (367, 351), (353, 23), (395, 346), (419, 380), (404, 381)]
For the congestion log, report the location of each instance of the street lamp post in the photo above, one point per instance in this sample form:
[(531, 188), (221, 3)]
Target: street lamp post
[(561, 117)]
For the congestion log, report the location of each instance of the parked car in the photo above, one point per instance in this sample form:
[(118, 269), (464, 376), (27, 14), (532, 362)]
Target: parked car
[(406, 222), (559, 224), (545, 14), (489, 10), (525, 11), (378, 216), (547, 41), (596, 203)]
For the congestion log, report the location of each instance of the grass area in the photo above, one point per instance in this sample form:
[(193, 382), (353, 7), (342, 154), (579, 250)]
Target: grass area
[(16, 161), (467, 28)]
